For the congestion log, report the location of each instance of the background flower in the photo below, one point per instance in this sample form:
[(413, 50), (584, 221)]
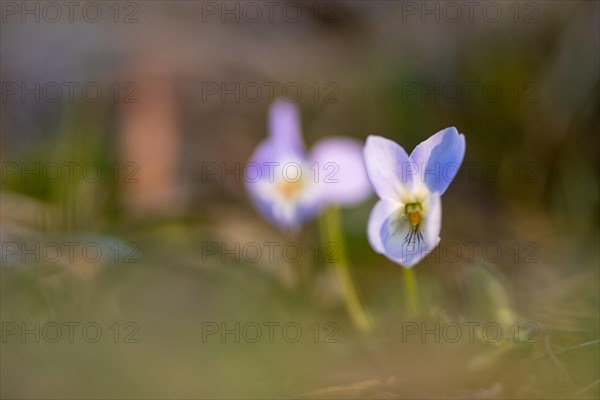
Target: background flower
[(291, 185)]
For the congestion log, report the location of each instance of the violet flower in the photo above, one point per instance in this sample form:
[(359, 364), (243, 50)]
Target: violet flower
[(405, 224), (290, 186)]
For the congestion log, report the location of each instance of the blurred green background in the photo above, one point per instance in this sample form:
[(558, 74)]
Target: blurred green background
[(178, 93)]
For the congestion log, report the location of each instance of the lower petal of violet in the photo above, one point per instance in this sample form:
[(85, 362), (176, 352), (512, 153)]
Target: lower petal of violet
[(403, 244)]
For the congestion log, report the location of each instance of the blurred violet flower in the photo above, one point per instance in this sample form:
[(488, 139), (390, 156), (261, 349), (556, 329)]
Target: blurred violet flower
[(289, 185), (405, 224)]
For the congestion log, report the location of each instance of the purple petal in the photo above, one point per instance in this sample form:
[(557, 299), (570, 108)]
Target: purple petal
[(438, 158), (285, 215), (262, 174), (284, 127), (261, 164), (257, 174), (268, 209), (339, 170), (388, 166)]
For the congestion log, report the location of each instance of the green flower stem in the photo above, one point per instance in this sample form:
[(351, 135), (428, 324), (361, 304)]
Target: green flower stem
[(412, 292), (331, 232)]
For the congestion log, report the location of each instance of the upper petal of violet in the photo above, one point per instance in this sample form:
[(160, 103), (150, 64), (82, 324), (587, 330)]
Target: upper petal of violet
[(388, 167), (285, 128), (438, 159)]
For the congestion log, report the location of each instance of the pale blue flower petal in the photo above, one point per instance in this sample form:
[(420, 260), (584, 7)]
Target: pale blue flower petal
[(338, 168), (382, 210), (439, 158), (393, 235), (285, 128), (388, 167)]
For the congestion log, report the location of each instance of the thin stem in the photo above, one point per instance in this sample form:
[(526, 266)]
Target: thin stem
[(412, 292), (331, 232)]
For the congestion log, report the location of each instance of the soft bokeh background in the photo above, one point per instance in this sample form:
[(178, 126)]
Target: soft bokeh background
[(363, 68)]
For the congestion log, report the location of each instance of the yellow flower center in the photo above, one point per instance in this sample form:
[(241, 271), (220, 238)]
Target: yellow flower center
[(290, 190), (414, 214), (414, 217)]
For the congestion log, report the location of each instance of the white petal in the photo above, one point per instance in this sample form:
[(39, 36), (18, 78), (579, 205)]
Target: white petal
[(388, 167), (432, 225)]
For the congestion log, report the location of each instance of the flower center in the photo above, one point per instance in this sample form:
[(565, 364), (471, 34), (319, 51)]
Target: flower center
[(290, 190), (414, 214)]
